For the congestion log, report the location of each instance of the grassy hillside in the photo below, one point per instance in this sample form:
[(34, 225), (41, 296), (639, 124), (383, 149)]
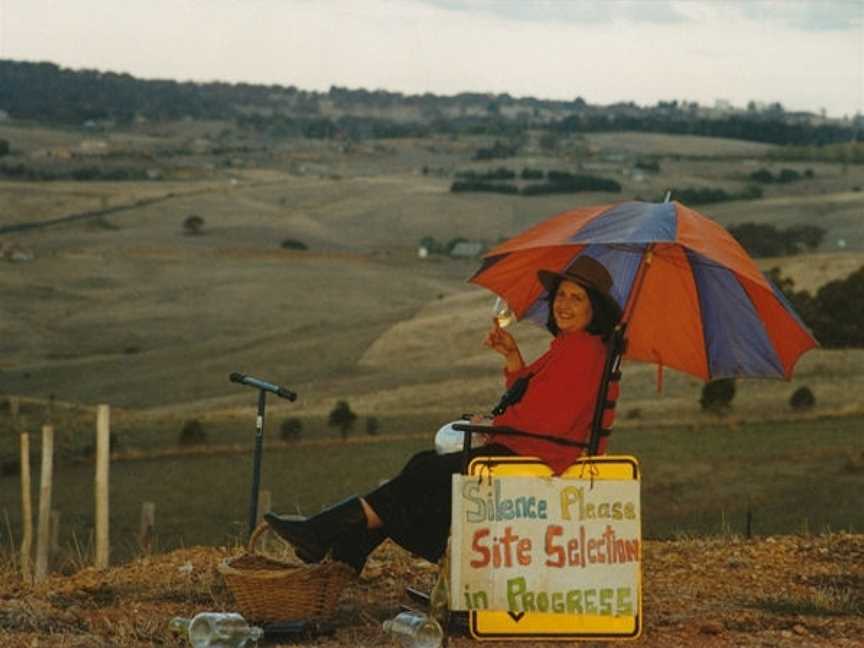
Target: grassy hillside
[(123, 305)]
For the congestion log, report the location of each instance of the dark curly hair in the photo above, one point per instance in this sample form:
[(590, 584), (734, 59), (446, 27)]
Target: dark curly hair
[(603, 320)]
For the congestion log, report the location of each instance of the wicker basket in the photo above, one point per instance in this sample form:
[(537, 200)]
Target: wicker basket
[(268, 590)]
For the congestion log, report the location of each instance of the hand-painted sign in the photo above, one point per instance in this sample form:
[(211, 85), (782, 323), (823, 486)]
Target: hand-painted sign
[(549, 546)]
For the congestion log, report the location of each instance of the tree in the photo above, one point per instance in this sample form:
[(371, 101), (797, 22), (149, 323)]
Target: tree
[(192, 224), (5, 147), (192, 433), (294, 244), (372, 426), (291, 429), (802, 399), (835, 314), (717, 395), (342, 417)]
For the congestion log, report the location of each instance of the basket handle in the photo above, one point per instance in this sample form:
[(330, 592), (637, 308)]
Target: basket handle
[(257, 533)]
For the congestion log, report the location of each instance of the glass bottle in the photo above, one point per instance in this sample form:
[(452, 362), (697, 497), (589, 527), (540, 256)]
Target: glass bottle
[(217, 630), (439, 597), (415, 630)]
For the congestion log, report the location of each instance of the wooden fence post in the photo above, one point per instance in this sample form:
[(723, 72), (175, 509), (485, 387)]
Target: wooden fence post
[(45, 479), (103, 452), (148, 524), (26, 511)]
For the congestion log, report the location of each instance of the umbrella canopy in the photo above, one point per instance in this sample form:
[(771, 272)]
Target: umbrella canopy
[(693, 299)]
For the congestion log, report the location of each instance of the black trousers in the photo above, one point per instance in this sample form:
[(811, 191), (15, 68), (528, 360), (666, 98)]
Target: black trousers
[(415, 505)]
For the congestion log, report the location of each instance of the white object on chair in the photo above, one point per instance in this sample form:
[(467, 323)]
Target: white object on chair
[(448, 440)]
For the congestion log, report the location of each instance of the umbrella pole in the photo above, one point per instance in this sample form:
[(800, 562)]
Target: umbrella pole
[(615, 349)]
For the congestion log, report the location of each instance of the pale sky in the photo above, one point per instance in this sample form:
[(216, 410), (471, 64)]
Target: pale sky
[(805, 54)]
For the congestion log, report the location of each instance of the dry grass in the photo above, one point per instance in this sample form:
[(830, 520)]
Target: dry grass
[(685, 601)]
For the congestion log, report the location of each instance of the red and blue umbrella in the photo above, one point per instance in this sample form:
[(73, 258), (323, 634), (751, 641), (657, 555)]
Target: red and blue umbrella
[(693, 299)]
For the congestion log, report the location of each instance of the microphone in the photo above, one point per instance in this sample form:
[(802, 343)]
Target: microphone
[(261, 384)]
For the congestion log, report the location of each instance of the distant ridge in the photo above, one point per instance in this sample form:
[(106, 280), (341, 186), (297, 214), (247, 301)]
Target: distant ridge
[(45, 92)]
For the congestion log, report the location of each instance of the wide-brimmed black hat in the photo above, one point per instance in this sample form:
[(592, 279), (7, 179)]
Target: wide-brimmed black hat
[(588, 273)]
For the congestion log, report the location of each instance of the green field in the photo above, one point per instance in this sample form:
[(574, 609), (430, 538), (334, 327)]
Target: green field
[(792, 477)]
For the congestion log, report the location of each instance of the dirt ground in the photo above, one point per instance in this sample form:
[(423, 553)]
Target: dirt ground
[(779, 592)]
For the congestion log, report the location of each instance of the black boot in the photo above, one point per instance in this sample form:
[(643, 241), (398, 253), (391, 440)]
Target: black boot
[(354, 548), (313, 537)]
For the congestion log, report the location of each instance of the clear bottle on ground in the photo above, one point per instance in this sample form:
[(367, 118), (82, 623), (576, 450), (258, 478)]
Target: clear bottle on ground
[(217, 630), (415, 630), (439, 597)]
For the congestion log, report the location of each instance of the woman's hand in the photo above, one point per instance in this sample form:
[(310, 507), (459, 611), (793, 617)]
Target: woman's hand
[(502, 342), (478, 438)]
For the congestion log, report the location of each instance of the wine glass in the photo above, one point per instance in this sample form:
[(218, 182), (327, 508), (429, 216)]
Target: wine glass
[(503, 315)]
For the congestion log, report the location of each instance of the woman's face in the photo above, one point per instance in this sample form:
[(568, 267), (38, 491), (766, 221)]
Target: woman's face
[(572, 307)]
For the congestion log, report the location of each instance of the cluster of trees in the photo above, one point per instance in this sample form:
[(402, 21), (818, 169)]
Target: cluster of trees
[(763, 240), (717, 396), (499, 150), (767, 128), (495, 181), (87, 173), (341, 417), (851, 152), (706, 195), (835, 314), (765, 176), (348, 127), (44, 91)]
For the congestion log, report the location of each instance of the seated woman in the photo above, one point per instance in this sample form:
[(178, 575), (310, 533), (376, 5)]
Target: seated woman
[(413, 509)]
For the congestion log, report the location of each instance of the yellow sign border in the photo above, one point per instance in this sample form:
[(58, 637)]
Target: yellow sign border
[(493, 625)]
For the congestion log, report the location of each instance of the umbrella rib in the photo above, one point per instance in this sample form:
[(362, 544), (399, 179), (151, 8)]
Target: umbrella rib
[(688, 260)]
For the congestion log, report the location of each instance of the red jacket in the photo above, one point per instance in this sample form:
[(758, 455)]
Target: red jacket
[(559, 400)]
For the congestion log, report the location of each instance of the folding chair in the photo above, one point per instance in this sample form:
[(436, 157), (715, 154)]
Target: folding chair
[(499, 625)]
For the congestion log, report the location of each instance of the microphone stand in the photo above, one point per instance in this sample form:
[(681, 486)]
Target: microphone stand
[(262, 387), (256, 462)]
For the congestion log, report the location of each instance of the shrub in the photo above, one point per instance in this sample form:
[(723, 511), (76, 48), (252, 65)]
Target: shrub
[(293, 244), (838, 319), (501, 173), (498, 151), (762, 175), (193, 433), (342, 417), (835, 314), (566, 182), (291, 429), (802, 399), (763, 240), (717, 395), (372, 426), (648, 164), (461, 186), (788, 175), (192, 224)]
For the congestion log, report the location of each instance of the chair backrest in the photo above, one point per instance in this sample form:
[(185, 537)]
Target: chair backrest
[(608, 392)]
